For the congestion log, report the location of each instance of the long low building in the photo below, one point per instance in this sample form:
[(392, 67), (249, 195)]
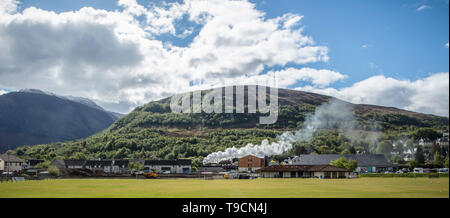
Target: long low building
[(367, 163), (122, 166), (304, 171), (169, 166)]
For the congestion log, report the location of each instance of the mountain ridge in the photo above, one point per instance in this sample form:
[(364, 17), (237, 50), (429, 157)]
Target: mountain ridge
[(30, 117), (85, 101)]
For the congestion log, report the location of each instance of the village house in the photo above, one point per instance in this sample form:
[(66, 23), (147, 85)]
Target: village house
[(107, 166), (367, 163), (120, 166), (74, 164), (304, 171), (33, 162), (251, 163), (169, 166), (443, 142), (10, 163), (99, 165), (426, 145), (425, 142)]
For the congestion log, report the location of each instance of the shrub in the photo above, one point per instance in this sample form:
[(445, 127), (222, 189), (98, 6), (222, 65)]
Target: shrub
[(344, 163), (54, 171), (43, 165)]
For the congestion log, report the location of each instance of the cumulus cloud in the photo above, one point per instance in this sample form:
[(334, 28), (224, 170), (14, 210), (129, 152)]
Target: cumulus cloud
[(291, 76), (8, 6), (286, 78), (427, 95), (120, 60), (117, 59), (446, 45)]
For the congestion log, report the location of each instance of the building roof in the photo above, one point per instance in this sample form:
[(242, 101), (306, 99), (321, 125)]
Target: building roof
[(375, 160), (168, 162), (121, 163), (211, 169), (98, 163), (304, 168), (327, 168), (33, 162), (10, 158), (140, 161), (74, 162), (84, 163), (247, 156)]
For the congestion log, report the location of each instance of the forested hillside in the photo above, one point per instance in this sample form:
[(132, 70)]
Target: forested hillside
[(152, 131)]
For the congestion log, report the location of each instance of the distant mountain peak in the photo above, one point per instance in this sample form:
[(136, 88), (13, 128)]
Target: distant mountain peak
[(85, 101), (32, 116), (35, 91)]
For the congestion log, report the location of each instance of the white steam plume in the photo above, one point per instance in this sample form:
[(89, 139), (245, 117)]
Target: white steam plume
[(335, 114)]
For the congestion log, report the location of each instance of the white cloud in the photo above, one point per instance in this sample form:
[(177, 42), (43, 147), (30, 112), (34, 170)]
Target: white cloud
[(423, 7), (132, 7), (8, 6), (446, 45), (319, 78), (117, 60), (283, 79), (428, 95), (3, 92)]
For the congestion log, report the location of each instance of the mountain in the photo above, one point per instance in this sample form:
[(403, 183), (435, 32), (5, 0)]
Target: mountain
[(30, 117), (153, 131), (81, 100)]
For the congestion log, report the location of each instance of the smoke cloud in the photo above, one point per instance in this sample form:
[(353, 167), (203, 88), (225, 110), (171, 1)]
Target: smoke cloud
[(335, 114)]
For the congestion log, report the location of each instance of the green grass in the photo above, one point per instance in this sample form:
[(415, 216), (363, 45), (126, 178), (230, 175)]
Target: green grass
[(258, 188)]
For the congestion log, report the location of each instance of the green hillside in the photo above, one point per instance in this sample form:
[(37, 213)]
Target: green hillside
[(152, 131)]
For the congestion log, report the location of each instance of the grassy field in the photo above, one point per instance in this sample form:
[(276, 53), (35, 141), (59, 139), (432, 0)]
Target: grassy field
[(264, 188)]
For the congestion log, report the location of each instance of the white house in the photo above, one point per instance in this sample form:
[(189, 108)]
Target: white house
[(120, 166), (74, 164), (11, 163), (99, 165), (171, 166)]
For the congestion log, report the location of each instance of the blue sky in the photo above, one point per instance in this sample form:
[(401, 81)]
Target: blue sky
[(376, 48), (365, 38), (400, 41)]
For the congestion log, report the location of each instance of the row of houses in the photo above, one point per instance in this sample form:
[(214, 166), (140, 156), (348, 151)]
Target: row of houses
[(427, 144), (123, 166), (11, 163)]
